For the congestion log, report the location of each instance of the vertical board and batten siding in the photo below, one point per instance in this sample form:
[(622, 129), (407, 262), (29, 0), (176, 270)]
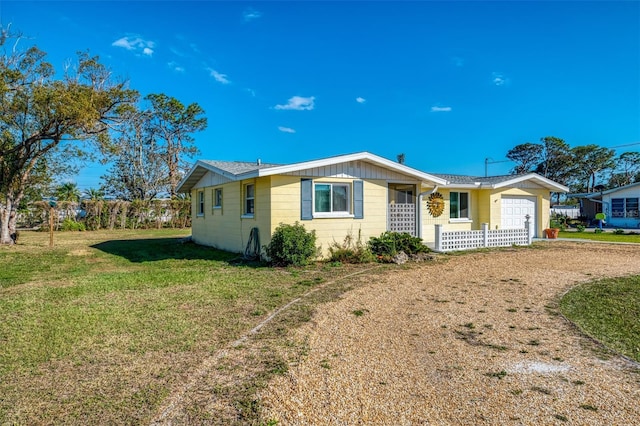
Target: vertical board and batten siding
[(354, 170)]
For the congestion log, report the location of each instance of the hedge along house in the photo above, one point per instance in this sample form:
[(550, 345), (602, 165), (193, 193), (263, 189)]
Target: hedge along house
[(357, 194)]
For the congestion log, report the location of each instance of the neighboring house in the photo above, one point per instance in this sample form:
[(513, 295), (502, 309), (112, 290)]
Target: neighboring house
[(360, 194), (620, 205)]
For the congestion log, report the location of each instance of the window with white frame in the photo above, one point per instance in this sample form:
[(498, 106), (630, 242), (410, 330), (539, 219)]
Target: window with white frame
[(331, 198), (217, 198), (200, 203), (249, 198), (459, 205)]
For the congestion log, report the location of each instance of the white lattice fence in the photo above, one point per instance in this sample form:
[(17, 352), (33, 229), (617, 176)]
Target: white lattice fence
[(467, 240), (508, 237), (402, 218), (461, 240)]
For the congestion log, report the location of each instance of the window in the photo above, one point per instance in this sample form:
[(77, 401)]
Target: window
[(624, 207), (217, 198), (404, 196), (459, 205), (331, 198), (631, 209), (200, 203), (249, 199), (617, 207)]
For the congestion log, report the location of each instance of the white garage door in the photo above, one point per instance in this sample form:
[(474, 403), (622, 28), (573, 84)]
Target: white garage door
[(514, 210)]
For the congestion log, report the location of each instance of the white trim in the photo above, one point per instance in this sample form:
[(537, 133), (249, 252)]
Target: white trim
[(340, 213), (461, 220), (247, 216), (547, 183), (326, 215)]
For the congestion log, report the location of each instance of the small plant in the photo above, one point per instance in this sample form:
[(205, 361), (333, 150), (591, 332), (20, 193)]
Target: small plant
[(292, 245), (561, 417), (349, 251), (71, 225), (588, 407), (580, 228), (618, 231), (500, 374), (597, 231), (388, 244), (359, 312)]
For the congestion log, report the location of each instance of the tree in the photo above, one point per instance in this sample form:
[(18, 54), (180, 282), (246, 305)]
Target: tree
[(94, 194), (41, 116), (527, 157), (67, 192), (627, 170), (139, 171), (590, 160), (173, 123)]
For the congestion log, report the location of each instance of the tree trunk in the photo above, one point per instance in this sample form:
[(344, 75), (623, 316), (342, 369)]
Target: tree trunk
[(5, 223)]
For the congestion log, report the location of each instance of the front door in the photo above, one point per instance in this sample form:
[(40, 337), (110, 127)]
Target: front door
[(402, 208)]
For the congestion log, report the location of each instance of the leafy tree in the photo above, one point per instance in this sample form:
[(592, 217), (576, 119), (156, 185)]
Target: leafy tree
[(68, 192), (627, 170), (527, 157), (41, 116), (589, 161), (173, 123)]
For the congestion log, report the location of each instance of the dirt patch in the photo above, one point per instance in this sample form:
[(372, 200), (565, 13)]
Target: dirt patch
[(476, 339)]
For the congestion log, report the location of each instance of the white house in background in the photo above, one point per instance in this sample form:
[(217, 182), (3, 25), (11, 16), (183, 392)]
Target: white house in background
[(620, 205)]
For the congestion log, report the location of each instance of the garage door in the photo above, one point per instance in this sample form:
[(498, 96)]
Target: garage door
[(514, 210)]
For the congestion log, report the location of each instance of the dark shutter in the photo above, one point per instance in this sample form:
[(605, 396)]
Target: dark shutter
[(358, 199), (306, 199)]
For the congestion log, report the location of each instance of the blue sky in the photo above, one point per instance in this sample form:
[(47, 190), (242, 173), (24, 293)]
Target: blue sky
[(446, 83)]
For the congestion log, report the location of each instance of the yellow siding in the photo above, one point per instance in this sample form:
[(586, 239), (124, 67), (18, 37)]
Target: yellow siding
[(485, 207), (285, 208)]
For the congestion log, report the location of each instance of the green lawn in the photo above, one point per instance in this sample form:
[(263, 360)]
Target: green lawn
[(608, 310), (607, 235), (102, 327)]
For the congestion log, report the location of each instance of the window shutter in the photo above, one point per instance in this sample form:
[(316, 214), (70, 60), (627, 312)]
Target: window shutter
[(358, 199), (306, 202)]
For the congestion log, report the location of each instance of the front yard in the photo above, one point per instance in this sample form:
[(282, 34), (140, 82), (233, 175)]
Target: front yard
[(104, 326), (130, 327)]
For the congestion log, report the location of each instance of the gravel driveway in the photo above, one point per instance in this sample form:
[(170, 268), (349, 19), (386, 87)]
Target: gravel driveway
[(473, 339)]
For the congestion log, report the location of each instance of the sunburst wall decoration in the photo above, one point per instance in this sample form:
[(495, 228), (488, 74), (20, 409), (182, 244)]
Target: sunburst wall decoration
[(435, 204)]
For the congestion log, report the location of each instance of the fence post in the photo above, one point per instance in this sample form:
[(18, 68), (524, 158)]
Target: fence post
[(527, 226), (485, 234), (438, 237)]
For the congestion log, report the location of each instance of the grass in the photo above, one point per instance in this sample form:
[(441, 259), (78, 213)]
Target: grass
[(104, 326), (608, 236), (608, 310)]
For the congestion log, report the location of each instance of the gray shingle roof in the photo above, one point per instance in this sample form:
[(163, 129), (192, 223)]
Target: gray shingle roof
[(471, 180), (238, 167)]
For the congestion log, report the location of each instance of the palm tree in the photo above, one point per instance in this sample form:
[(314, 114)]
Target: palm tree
[(68, 192), (94, 194)]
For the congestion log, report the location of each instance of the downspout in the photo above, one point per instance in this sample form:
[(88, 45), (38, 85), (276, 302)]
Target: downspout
[(420, 196)]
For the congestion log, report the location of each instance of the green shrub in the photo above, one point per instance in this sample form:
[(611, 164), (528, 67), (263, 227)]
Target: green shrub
[(388, 244), (580, 228), (349, 251), (292, 245), (597, 231), (72, 225), (619, 231)]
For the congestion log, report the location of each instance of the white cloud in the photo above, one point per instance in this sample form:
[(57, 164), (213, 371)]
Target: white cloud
[(251, 92), (175, 66), (440, 109), (250, 14), (220, 78), (286, 129), (360, 100), (298, 103), (135, 44), (499, 79)]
